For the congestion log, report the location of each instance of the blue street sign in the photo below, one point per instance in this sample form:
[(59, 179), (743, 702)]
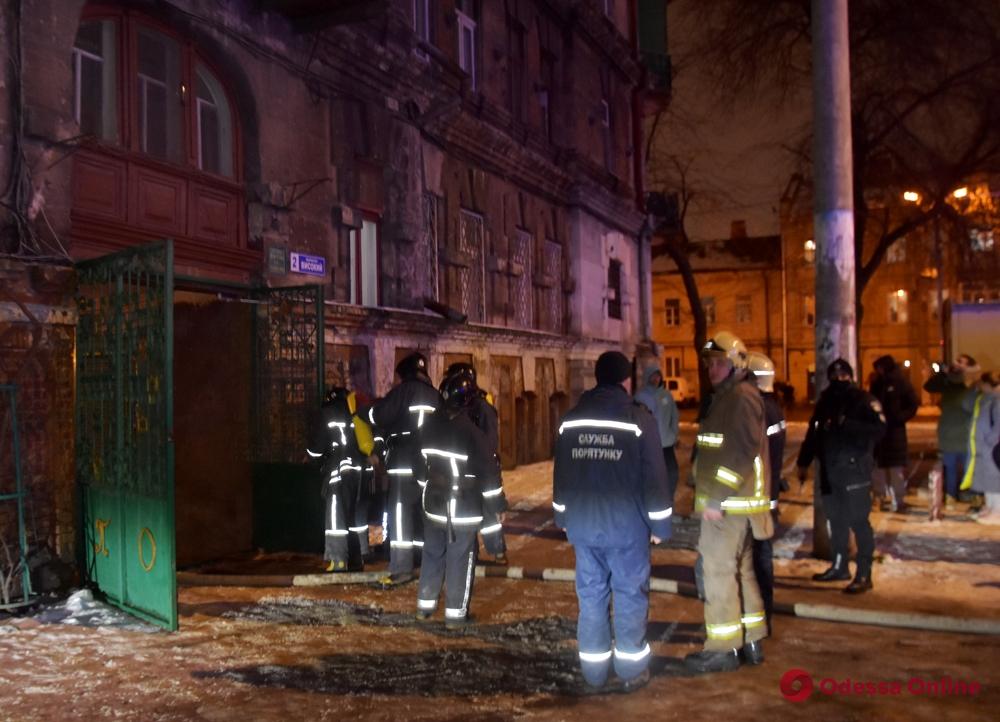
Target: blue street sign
[(310, 265)]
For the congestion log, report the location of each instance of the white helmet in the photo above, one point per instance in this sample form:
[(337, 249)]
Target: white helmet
[(729, 346), (763, 370)]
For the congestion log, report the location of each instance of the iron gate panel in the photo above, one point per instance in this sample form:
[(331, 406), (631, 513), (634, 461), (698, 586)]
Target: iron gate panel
[(124, 428), (288, 371)]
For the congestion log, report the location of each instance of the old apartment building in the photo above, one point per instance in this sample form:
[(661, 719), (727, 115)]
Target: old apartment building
[(212, 210)]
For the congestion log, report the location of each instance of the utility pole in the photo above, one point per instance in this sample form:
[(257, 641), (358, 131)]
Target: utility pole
[(833, 210)]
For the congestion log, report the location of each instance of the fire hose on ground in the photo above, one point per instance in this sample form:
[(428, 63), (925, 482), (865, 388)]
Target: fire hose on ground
[(821, 612)]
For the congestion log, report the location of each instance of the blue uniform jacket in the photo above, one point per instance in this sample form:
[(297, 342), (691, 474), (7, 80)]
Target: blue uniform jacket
[(610, 482)]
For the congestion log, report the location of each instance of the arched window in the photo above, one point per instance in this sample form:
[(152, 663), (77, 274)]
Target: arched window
[(161, 139)]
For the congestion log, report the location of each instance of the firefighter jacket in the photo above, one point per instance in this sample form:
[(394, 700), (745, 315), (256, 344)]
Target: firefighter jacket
[(459, 475), (610, 486), (774, 420), (332, 441), (399, 417), (843, 431), (731, 470)]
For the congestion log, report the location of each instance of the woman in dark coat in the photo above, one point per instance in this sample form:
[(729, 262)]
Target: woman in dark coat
[(899, 403)]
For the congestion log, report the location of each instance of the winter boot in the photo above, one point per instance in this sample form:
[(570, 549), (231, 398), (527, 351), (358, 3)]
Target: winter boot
[(706, 661), (862, 583), (753, 653), (836, 573)]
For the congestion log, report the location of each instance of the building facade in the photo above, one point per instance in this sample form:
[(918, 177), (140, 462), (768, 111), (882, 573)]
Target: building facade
[(763, 290), (457, 177)]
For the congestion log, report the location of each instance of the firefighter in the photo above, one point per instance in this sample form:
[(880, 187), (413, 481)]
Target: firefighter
[(399, 417), (762, 372), (461, 492), (611, 496), (733, 501), (484, 415), (842, 434), (334, 441)]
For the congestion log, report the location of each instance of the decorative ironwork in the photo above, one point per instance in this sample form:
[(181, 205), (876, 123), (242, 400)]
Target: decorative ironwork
[(12, 490), (124, 428), (288, 354), (471, 241), (520, 289), (551, 301), (124, 354)]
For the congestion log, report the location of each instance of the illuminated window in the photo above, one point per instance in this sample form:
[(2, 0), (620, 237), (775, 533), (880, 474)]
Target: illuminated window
[(809, 251), (896, 253), (898, 301)]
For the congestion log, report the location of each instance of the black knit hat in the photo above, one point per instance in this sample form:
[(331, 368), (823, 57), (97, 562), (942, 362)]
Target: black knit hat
[(612, 368)]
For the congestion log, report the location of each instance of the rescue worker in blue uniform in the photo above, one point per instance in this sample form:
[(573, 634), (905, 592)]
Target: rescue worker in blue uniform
[(334, 442), (762, 371), (611, 495), (399, 418), (484, 415), (462, 492), (842, 434)]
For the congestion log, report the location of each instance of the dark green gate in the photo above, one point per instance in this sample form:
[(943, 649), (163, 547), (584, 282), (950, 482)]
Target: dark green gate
[(124, 429), (288, 387)]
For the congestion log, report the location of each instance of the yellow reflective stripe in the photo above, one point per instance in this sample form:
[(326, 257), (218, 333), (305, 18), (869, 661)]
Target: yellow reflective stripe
[(728, 477), (967, 479), (746, 504), (712, 440), (753, 620), (758, 470), (700, 502), (723, 631)]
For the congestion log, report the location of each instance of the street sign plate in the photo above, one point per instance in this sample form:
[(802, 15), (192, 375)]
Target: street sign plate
[(309, 265)]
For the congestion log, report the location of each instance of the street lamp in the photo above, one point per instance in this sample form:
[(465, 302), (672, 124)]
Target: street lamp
[(960, 192), (911, 196)]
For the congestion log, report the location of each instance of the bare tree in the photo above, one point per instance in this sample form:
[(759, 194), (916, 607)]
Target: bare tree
[(925, 97)]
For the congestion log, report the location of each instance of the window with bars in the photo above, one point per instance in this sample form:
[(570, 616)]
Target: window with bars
[(471, 274), (432, 218), (548, 289), (521, 257)]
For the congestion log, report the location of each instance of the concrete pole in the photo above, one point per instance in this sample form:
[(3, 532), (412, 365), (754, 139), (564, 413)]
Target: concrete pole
[(833, 210)]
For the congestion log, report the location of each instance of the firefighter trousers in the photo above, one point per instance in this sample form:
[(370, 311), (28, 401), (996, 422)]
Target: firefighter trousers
[(346, 535), (449, 562), (734, 609), (405, 523)]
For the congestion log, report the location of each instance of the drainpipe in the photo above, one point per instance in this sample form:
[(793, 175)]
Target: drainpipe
[(646, 231)]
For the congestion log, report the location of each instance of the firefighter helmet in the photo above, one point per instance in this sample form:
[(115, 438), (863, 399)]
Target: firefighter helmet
[(763, 371), (729, 346), (461, 367), (459, 391), (339, 397), (409, 367), (839, 368)]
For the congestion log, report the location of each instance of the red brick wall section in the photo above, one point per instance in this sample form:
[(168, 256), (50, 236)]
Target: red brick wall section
[(36, 354)]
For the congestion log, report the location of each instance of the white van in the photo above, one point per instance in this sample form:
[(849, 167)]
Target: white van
[(679, 389)]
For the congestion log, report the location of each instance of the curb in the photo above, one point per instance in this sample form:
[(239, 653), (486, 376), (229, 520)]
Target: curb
[(820, 612)]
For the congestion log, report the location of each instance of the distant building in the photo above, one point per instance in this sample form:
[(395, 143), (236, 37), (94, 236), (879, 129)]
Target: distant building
[(762, 289)]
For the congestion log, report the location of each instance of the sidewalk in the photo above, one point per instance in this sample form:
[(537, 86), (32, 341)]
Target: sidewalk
[(356, 652)]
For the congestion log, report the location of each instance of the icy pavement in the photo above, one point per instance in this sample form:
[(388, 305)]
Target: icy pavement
[(357, 652)]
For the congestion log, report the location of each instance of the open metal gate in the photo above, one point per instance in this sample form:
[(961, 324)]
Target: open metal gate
[(288, 388), (124, 429)]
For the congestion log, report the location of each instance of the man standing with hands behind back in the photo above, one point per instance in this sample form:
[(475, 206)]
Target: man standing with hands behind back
[(611, 496)]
